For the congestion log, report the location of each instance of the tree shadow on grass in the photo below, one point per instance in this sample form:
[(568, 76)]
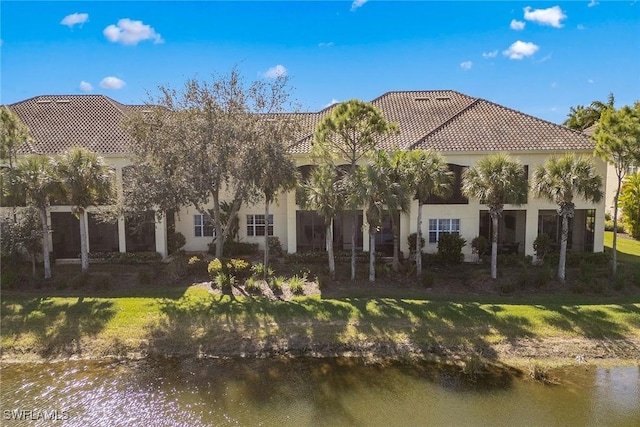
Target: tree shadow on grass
[(58, 328)]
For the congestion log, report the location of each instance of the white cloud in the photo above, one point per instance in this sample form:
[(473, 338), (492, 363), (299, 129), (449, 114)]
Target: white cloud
[(593, 3), (356, 4), (580, 27), (550, 16), (85, 86), (491, 54), (325, 44), (75, 18), (517, 25), (589, 80), (333, 101), (466, 65), (112, 83), (131, 32), (520, 49), (275, 72)]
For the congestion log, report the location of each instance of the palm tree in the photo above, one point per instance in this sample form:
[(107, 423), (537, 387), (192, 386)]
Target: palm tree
[(496, 180), (431, 177), (559, 180), (323, 193), (378, 189), (37, 179), (86, 181), (398, 170)]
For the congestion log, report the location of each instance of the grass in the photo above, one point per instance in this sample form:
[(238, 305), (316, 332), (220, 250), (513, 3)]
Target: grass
[(628, 250), (201, 322)]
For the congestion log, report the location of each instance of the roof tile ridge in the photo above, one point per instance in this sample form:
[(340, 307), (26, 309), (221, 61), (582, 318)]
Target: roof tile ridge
[(538, 119), (447, 122)]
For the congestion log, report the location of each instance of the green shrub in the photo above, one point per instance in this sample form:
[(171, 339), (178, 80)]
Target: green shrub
[(9, 279), (480, 246), (450, 248), (430, 259), (196, 265), (275, 283), (275, 247), (102, 283), (175, 241), (542, 245), (223, 281), (146, 277), (258, 270), (428, 278), (608, 226), (252, 286), (296, 285), (323, 280), (232, 248), (543, 276), (79, 280), (126, 257), (234, 267)]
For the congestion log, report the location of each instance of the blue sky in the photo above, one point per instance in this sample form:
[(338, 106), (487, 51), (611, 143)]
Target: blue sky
[(536, 57)]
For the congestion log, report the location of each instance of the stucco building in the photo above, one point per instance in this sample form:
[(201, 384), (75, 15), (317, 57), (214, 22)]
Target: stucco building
[(460, 127)]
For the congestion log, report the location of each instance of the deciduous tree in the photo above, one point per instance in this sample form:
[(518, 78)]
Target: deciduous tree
[(617, 138), (193, 145)]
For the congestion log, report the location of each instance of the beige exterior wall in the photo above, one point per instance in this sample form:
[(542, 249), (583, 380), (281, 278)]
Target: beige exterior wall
[(284, 213)]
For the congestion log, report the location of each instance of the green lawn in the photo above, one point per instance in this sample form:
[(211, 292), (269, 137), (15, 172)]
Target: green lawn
[(199, 321), (628, 249)]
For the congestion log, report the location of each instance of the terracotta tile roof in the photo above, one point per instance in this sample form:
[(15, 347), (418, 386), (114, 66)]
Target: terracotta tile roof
[(485, 126), (58, 122), (443, 120)]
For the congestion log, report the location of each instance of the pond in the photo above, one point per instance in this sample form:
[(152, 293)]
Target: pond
[(310, 392)]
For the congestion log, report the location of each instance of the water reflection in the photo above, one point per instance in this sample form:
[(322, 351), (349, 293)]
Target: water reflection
[(312, 392)]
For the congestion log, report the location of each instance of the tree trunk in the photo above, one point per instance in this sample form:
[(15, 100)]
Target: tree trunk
[(614, 260), (33, 264), (563, 247), (217, 225), (266, 237), (396, 246), (372, 256), (494, 246), (354, 227), (329, 244), (84, 253), (419, 242), (45, 244)]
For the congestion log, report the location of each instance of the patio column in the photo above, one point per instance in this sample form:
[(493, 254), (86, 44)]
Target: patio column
[(161, 236), (531, 230), (292, 242)]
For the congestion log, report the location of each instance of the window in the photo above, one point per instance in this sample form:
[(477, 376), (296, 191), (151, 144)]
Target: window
[(256, 225), (202, 226), (441, 226)]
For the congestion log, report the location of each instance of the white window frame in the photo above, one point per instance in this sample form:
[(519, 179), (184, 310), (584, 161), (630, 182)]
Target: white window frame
[(256, 222), (440, 226), (201, 225)]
